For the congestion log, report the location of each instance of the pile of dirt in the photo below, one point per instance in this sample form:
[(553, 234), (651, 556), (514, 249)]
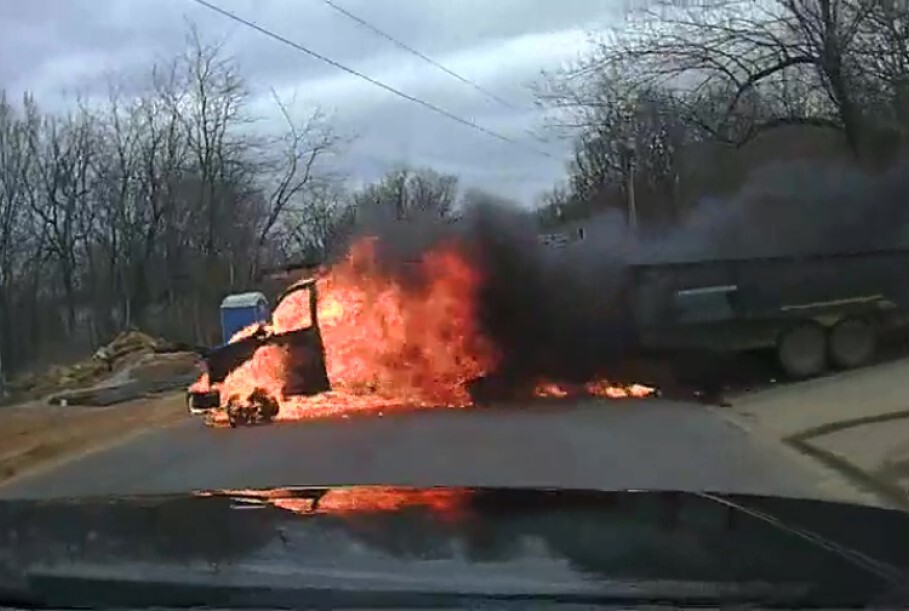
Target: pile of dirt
[(125, 346), (129, 353)]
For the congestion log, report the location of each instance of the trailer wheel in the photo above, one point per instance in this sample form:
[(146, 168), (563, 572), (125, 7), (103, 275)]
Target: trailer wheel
[(852, 343), (802, 350)]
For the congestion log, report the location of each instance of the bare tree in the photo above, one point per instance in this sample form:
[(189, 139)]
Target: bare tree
[(405, 192), (884, 46), (64, 150), (292, 165), (209, 97), (148, 209), (678, 80), (15, 157), (432, 192), (319, 224), (766, 51), (621, 133)]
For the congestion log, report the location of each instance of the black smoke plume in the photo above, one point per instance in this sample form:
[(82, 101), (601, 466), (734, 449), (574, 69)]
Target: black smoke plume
[(563, 313)]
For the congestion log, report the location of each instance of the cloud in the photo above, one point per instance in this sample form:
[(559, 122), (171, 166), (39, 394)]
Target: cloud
[(51, 46)]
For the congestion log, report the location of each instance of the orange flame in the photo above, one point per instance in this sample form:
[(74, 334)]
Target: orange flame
[(387, 345), (201, 385), (342, 501), (596, 388), (414, 345), (601, 388), (550, 389), (445, 502)]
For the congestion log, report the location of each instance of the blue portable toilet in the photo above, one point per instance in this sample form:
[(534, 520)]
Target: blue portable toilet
[(240, 310)]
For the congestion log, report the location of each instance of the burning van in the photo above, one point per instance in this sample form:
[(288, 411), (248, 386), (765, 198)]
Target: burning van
[(383, 334), (301, 345)]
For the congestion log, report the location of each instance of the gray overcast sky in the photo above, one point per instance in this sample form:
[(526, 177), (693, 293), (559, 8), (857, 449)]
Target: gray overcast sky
[(52, 46)]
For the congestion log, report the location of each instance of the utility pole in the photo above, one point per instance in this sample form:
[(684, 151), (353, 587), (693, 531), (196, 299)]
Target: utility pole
[(632, 204)]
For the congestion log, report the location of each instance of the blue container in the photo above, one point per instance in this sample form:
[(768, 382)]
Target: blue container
[(242, 310)]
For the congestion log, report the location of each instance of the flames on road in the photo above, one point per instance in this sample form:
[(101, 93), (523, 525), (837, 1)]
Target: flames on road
[(391, 341), (596, 388)]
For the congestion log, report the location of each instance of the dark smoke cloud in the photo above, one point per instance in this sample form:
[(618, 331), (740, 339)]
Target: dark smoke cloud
[(561, 312), (554, 312), (796, 207)]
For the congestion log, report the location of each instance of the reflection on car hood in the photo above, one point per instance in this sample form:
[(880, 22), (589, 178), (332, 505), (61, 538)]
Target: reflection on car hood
[(503, 541)]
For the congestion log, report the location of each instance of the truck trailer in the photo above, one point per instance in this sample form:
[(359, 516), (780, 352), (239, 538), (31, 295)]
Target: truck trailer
[(814, 310)]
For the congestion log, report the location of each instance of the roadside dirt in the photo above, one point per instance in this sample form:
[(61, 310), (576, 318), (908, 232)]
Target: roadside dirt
[(129, 357), (36, 436)]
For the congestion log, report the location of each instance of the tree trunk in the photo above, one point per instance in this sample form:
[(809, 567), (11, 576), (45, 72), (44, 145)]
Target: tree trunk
[(69, 295)]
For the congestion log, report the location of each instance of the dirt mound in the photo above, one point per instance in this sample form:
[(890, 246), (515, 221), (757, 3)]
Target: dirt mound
[(130, 355), (126, 344)]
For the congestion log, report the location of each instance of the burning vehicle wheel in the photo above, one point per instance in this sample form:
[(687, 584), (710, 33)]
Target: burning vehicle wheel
[(240, 414), (237, 414), (852, 343), (260, 408), (802, 350)]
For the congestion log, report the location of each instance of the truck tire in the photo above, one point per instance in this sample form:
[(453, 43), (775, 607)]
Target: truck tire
[(802, 350), (852, 343)]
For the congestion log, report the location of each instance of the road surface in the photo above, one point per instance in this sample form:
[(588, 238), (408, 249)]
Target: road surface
[(855, 422), (600, 444)]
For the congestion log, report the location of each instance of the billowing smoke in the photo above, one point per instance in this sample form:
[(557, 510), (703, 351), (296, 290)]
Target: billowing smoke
[(797, 207), (561, 312), (552, 313)]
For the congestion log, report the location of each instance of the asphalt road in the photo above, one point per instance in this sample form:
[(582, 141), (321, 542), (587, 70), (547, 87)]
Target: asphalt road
[(601, 444)]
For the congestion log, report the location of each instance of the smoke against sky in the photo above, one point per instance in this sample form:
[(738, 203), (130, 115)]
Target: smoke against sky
[(795, 207)]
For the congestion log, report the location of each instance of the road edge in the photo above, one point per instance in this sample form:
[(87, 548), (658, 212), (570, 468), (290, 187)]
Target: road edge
[(820, 461), (64, 459)]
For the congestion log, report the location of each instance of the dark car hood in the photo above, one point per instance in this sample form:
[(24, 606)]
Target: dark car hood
[(506, 542)]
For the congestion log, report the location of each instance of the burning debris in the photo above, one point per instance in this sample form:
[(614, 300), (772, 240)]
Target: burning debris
[(409, 322)]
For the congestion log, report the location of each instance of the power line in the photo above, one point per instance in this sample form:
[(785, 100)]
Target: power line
[(369, 79), (422, 56)]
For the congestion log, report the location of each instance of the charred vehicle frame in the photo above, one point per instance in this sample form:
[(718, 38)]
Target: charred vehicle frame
[(305, 349)]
